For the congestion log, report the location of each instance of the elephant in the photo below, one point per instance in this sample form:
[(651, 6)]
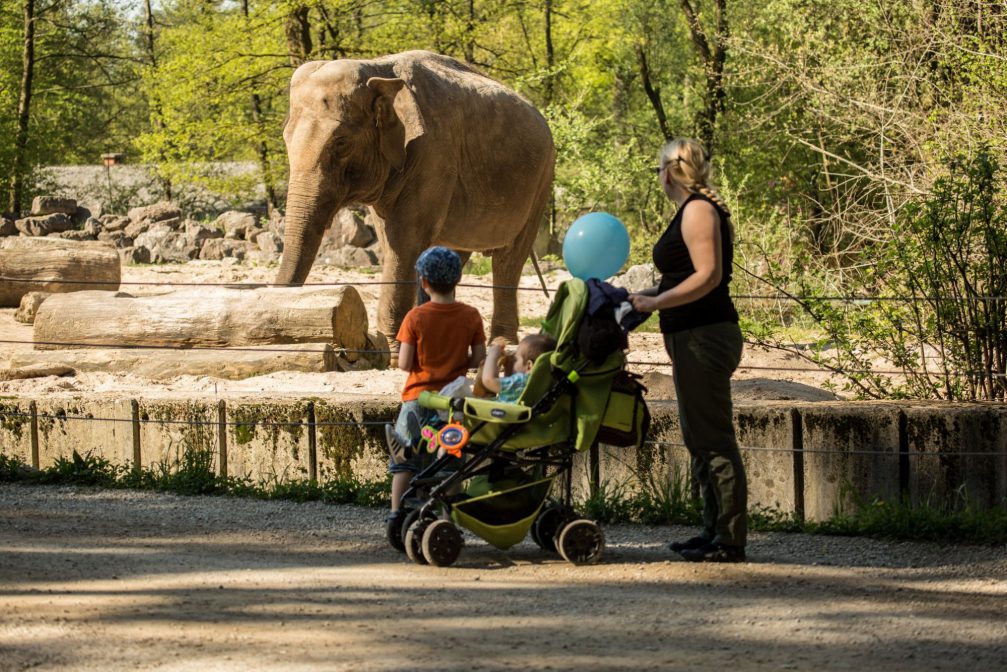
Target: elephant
[(439, 153)]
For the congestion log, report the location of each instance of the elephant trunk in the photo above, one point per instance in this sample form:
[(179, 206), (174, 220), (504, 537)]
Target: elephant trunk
[(307, 216)]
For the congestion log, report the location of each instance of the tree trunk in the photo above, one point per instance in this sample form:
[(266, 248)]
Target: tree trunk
[(653, 93), (204, 318), (55, 266), (23, 108), (713, 57), (550, 55), (298, 29), (265, 164), (156, 117)]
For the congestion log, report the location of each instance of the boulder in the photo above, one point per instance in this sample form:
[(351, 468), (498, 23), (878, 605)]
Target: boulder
[(134, 229), (637, 278), (173, 247), (134, 255), (221, 248), (29, 306), (43, 226), (235, 225), (95, 209), (7, 227), (117, 238), (73, 234), (199, 234), (93, 227), (51, 205), (348, 257), (348, 228), (113, 222), (276, 222), (269, 242), (158, 212)]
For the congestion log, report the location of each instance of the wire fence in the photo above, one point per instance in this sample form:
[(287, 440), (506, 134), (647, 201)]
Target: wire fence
[(314, 423), (839, 298), (825, 370)]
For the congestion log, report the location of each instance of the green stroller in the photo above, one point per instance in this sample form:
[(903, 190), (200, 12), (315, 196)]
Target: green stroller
[(513, 454)]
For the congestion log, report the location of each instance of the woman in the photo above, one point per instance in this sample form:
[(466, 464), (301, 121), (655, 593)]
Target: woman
[(702, 338)]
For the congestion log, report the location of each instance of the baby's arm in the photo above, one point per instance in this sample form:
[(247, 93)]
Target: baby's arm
[(491, 371)]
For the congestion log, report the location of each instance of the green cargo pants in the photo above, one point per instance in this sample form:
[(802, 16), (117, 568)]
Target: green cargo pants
[(704, 359)]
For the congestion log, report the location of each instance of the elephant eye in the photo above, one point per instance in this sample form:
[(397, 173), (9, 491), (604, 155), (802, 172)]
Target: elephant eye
[(341, 145)]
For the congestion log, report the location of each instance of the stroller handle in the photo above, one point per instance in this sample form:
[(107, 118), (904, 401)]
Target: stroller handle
[(434, 401)]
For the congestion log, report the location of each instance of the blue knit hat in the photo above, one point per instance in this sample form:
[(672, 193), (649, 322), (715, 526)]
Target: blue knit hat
[(440, 266)]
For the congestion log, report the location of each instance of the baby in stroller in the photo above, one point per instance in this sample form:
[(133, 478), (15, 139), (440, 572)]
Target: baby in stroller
[(515, 451)]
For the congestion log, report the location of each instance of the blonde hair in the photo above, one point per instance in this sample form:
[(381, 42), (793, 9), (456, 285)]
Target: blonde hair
[(689, 163)]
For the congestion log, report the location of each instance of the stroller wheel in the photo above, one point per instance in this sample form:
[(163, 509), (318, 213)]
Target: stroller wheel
[(442, 542), (394, 529), (547, 525), (414, 539), (581, 542)]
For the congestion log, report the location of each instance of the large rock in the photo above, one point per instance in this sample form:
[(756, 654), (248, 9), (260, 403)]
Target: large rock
[(29, 306), (374, 249), (276, 223), (348, 257), (114, 222), (167, 247), (158, 212), (236, 225), (93, 227), (269, 242), (73, 234), (43, 226), (348, 228), (51, 205), (117, 238), (199, 234), (637, 278), (7, 227), (221, 248), (134, 255)]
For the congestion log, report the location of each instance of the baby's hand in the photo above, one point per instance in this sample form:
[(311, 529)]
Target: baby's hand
[(500, 341)]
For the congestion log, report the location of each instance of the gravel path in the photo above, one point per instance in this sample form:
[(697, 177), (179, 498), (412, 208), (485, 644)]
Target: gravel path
[(121, 580)]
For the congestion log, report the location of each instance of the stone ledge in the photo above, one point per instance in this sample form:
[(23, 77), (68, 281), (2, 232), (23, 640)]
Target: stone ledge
[(807, 458)]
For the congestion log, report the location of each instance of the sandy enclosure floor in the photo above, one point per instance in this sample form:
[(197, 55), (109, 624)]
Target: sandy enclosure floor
[(760, 368), (110, 580)]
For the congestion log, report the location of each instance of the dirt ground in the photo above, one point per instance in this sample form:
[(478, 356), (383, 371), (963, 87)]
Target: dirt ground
[(110, 580), (760, 376)]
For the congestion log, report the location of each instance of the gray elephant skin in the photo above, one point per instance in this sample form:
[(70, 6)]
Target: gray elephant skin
[(441, 155)]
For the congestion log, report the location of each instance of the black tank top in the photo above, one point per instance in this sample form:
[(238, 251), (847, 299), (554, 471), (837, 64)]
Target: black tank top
[(671, 258)]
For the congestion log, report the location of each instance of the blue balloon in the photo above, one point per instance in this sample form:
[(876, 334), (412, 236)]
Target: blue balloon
[(596, 246)]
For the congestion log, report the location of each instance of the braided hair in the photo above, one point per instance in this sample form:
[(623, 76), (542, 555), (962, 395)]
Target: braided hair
[(688, 163)]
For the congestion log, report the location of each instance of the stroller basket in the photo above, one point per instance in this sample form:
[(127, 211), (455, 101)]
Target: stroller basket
[(503, 518)]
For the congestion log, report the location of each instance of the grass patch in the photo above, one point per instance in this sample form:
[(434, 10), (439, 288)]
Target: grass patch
[(193, 475), (669, 501)]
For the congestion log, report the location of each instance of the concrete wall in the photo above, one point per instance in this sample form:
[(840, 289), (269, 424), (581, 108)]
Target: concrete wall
[(811, 459)]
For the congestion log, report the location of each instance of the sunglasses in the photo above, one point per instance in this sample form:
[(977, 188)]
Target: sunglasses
[(657, 169)]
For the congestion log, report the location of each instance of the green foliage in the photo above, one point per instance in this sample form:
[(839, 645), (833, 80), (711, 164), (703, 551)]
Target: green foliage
[(941, 318)]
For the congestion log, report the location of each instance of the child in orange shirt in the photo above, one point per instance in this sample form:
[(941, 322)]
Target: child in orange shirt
[(440, 340)]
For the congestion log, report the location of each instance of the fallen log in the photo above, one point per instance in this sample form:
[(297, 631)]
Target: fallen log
[(167, 364), (207, 317), (35, 370), (29, 264)]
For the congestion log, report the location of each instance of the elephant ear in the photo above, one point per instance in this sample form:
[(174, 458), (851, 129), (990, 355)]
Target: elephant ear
[(396, 116)]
